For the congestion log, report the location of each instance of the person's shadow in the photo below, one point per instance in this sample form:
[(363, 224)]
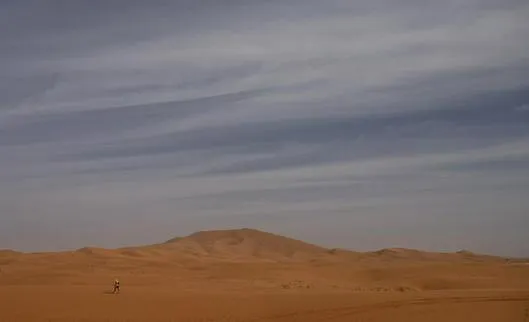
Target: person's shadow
[(109, 293)]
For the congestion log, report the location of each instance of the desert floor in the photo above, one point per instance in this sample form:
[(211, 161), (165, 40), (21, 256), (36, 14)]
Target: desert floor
[(84, 303), (254, 276)]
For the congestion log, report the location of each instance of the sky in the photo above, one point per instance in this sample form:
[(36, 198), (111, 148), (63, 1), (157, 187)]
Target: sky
[(352, 124)]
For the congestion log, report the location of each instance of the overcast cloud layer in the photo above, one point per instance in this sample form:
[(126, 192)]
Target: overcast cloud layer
[(357, 124)]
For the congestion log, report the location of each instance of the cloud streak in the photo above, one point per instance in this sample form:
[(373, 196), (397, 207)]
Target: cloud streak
[(317, 120)]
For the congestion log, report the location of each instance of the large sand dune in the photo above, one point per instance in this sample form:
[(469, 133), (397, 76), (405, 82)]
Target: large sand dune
[(250, 275)]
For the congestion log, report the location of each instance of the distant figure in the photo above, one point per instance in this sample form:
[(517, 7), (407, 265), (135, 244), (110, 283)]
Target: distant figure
[(116, 286)]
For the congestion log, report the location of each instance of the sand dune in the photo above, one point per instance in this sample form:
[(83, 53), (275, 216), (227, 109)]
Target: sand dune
[(205, 277), (245, 244)]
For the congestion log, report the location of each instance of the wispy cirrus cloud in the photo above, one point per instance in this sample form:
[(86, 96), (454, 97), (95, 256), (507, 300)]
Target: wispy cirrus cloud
[(302, 118)]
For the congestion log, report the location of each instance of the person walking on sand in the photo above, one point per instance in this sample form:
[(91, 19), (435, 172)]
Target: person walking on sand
[(116, 286)]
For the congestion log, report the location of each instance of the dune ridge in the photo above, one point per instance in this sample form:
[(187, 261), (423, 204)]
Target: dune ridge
[(261, 244), (242, 257)]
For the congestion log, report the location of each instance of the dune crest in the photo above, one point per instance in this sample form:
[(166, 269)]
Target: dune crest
[(245, 243), (238, 258)]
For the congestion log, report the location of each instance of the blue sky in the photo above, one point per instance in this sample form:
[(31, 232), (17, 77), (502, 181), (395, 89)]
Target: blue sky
[(344, 123)]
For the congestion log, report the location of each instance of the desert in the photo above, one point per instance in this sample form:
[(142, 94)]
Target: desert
[(264, 161), (252, 275)]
